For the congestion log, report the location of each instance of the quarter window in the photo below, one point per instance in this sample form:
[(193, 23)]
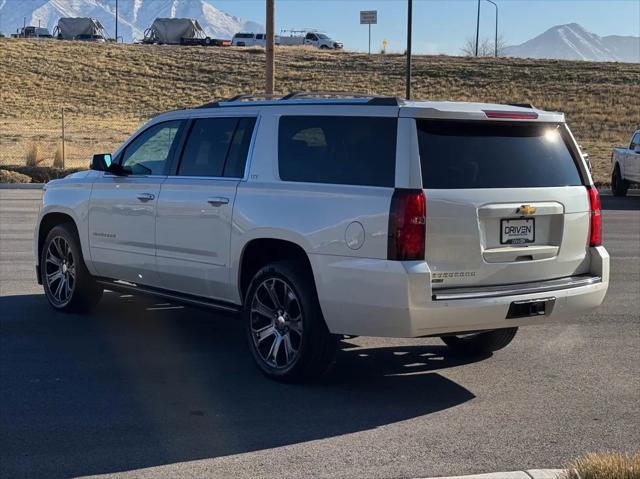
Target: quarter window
[(149, 152), (343, 150)]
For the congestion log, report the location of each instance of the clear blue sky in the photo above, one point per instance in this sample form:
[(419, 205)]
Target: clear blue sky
[(441, 26)]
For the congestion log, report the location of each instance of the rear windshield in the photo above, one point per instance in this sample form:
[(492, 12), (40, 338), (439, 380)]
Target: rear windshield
[(490, 155)]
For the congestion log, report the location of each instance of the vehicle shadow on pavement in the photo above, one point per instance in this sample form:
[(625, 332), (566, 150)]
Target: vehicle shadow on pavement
[(139, 384)]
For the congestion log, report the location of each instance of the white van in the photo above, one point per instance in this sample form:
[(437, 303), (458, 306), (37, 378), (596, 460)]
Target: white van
[(248, 40)]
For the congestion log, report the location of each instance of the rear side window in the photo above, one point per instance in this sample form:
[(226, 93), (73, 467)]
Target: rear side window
[(344, 150), (217, 147), (492, 155)]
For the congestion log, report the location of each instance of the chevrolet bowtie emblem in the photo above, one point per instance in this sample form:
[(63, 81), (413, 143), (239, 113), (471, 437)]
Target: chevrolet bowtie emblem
[(526, 210)]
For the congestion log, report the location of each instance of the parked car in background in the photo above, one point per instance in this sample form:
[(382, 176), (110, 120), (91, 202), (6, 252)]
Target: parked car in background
[(249, 40), (625, 166), (32, 32), (315, 217), (310, 38)]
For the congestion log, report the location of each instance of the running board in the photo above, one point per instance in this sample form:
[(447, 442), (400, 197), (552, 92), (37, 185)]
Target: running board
[(126, 287), (446, 294)]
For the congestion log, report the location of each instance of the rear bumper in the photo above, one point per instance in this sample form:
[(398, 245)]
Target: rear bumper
[(367, 297)]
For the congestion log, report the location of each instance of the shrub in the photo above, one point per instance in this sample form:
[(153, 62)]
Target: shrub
[(58, 157), (605, 466), (7, 176), (42, 174), (34, 155)]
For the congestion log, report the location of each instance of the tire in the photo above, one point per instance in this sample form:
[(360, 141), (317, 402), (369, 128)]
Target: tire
[(480, 343), (286, 332), (207, 41), (68, 285), (324, 47), (619, 186)]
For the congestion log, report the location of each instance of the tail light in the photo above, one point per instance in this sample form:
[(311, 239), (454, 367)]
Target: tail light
[(407, 229), (595, 227)]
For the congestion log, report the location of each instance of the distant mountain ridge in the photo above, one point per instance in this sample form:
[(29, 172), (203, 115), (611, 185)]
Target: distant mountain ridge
[(573, 42), (134, 16)]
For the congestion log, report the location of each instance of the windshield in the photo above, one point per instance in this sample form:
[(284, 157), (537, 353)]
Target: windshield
[(322, 36)]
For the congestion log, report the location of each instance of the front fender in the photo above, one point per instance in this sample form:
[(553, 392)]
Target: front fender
[(69, 198)]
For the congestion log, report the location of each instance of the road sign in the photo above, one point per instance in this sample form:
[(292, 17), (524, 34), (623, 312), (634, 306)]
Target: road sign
[(369, 17)]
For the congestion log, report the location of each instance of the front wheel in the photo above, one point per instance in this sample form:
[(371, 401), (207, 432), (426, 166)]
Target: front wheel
[(480, 343), (619, 186), (67, 283), (286, 332)]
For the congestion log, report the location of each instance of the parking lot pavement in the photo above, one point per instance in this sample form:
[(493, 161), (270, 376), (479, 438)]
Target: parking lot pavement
[(145, 387)]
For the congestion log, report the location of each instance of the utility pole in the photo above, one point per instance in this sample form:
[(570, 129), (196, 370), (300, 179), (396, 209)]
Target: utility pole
[(496, 40), (478, 28), (409, 24), (63, 139), (116, 21), (270, 67)]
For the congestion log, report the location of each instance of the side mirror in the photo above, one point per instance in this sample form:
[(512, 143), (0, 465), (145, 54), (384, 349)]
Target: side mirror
[(101, 162)]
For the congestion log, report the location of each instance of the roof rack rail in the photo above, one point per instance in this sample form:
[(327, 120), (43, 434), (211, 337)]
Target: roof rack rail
[(299, 95), (240, 97), (522, 105), (374, 99)]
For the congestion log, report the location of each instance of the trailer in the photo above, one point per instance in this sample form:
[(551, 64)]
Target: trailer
[(79, 28), (179, 31)]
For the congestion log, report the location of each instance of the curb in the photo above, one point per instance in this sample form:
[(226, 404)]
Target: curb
[(21, 186), (528, 474)]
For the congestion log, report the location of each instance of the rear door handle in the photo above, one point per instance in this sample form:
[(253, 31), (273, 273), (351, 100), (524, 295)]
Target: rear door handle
[(218, 201), (144, 197)]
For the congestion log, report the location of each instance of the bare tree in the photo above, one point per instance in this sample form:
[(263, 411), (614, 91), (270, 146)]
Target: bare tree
[(486, 47)]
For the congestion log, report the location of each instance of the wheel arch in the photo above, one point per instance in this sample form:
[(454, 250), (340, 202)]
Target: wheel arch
[(258, 252), (615, 161)]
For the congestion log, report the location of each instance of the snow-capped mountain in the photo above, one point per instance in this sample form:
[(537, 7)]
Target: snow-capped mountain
[(134, 16), (573, 42)]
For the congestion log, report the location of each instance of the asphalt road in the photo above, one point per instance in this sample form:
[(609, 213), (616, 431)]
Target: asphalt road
[(172, 390)]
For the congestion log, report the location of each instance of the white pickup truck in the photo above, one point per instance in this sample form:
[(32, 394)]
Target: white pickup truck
[(314, 39), (625, 166)]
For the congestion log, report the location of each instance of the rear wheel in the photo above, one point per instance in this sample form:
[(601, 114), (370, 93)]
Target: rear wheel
[(619, 186), (67, 283), (286, 332), (480, 343)]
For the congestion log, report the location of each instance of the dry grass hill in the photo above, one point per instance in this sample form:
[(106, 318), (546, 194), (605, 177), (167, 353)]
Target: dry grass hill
[(107, 90)]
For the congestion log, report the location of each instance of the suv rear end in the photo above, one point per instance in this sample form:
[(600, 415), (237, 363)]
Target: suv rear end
[(494, 224)]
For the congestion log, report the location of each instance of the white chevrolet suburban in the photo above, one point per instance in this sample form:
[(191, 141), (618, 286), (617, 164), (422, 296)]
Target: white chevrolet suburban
[(625, 166), (316, 217)]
